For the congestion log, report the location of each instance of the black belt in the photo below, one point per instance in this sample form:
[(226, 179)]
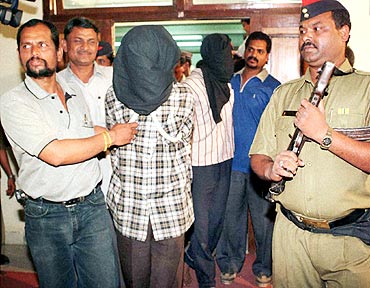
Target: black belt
[(317, 225), (69, 203)]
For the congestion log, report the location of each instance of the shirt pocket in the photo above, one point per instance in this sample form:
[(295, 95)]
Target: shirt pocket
[(346, 117), (284, 129)]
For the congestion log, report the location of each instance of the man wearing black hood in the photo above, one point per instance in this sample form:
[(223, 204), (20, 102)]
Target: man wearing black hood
[(212, 152), (149, 194)]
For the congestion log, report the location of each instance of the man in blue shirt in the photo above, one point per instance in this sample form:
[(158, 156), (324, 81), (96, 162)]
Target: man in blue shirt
[(253, 87)]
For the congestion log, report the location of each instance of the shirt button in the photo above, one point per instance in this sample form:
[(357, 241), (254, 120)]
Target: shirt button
[(309, 164), (61, 112)]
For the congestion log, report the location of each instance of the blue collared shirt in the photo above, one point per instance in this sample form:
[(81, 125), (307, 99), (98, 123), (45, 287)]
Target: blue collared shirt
[(249, 104)]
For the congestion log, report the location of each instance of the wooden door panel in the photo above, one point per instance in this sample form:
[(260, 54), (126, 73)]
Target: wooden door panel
[(284, 62)]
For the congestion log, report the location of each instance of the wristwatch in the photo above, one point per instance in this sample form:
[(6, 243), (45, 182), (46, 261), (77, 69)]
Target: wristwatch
[(326, 141)]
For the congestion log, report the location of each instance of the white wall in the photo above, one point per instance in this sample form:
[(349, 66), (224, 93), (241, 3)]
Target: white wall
[(11, 75), (359, 41)]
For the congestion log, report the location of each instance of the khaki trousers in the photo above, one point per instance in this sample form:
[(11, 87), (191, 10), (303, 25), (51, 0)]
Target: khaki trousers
[(305, 259)]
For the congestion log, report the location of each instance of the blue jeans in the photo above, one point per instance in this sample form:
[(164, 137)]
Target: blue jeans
[(72, 247), (210, 189), (247, 191)]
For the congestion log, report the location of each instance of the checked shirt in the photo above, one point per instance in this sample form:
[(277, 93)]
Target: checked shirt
[(152, 176)]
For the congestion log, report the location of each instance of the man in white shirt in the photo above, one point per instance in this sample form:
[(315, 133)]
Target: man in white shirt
[(81, 44), (54, 142), (212, 152)]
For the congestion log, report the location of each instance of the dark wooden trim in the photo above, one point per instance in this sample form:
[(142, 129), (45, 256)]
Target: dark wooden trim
[(239, 8), (180, 10), (119, 14)]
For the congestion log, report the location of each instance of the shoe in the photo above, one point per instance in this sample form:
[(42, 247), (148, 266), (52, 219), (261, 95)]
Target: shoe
[(227, 278), (263, 281), (4, 260)]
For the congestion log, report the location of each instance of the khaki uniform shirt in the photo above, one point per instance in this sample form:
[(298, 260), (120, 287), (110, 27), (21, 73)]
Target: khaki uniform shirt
[(327, 187)]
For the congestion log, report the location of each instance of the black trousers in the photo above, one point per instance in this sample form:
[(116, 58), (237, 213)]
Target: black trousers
[(151, 264)]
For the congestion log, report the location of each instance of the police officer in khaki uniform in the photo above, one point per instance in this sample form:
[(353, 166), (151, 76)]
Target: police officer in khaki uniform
[(322, 231)]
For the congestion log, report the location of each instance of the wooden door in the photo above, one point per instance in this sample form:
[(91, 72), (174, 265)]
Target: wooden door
[(284, 62)]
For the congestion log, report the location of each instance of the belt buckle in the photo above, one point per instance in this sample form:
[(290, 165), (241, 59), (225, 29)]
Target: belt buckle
[(324, 224), (73, 202)]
